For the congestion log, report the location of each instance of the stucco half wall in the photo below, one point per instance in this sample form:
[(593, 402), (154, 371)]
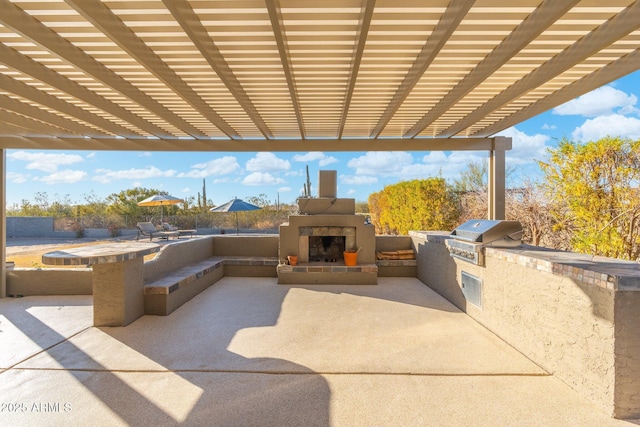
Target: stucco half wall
[(575, 321)]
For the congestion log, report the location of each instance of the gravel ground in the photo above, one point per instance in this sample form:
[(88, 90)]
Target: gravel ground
[(22, 245)]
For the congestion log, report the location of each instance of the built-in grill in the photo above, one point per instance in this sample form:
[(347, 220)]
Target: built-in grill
[(470, 238)]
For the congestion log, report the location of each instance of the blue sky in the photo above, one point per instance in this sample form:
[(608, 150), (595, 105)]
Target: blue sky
[(610, 110)]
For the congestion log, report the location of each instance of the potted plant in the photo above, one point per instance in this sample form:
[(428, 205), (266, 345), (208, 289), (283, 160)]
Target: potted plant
[(351, 257), (293, 259)]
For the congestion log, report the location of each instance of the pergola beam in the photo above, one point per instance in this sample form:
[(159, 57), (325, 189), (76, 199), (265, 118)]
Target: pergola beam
[(277, 24), (544, 16), (454, 14), (15, 18), (104, 19), (250, 145), (606, 34), (67, 125), (364, 22), (613, 71), (28, 66), (192, 26), (25, 126), (41, 97)]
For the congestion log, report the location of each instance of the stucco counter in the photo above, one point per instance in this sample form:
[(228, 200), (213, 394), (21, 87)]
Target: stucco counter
[(118, 282), (576, 315)]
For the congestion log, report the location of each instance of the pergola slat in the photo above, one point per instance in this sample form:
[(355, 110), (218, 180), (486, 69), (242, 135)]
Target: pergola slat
[(606, 34), (307, 71), (102, 17), (21, 22), (545, 15)]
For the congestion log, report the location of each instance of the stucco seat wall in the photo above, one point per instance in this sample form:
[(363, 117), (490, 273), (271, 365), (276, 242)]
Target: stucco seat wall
[(182, 270)]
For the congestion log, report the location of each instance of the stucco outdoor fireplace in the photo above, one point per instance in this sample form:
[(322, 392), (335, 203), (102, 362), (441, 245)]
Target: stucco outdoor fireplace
[(326, 227)]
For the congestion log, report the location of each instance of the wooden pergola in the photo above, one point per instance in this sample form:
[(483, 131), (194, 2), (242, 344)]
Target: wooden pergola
[(295, 75)]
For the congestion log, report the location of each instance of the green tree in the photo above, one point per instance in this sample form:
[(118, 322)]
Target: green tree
[(126, 201), (476, 177), (427, 204), (593, 192)]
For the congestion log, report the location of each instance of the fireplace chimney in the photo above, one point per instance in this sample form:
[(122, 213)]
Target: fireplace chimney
[(327, 184)]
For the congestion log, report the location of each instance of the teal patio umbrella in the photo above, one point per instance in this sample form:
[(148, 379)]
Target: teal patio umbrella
[(235, 205)]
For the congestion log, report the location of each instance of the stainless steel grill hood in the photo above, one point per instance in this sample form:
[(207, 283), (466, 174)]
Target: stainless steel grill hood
[(496, 233), (471, 237)]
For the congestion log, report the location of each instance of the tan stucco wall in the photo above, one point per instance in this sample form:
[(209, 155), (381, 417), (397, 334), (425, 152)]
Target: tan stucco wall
[(577, 331), (390, 244), (177, 255), (393, 243), (49, 281), (627, 350), (247, 246)]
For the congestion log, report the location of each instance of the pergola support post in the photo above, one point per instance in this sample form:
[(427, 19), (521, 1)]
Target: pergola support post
[(3, 224), (497, 173)]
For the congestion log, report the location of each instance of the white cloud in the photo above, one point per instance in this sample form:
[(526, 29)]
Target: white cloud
[(420, 171), (215, 167), (351, 192), (312, 156), (385, 163), (358, 179), (259, 178), (526, 148), (549, 127), (602, 101), (267, 162), (612, 125), (145, 154), (91, 155), (435, 157), (105, 176), (17, 178), (186, 190), (438, 163), (327, 161), (284, 189), (63, 177), (46, 162), (400, 166)]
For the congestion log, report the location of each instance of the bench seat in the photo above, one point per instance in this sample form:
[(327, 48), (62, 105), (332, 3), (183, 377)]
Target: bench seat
[(182, 277), (166, 294)]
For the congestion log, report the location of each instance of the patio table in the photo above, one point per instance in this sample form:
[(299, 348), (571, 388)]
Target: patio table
[(118, 284)]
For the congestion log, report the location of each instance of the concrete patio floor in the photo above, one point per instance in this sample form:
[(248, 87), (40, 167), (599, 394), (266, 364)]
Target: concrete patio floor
[(249, 352)]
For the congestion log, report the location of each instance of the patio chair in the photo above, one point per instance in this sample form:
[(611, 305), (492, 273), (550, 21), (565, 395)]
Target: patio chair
[(168, 227), (148, 229)]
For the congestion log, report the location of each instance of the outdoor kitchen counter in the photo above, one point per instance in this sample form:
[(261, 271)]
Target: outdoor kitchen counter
[(118, 282), (609, 273), (575, 315)]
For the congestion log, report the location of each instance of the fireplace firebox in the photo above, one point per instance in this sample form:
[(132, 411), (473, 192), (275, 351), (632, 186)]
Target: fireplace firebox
[(326, 248)]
